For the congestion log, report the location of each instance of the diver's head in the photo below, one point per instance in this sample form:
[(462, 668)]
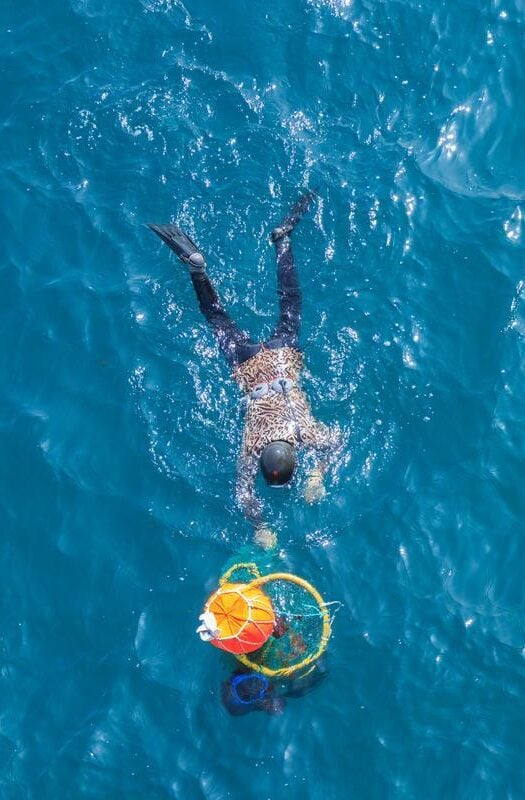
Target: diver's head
[(278, 463)]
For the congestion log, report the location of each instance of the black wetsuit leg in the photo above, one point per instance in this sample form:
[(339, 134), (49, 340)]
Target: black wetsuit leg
[(231, 338), (289, 292), (232, 341), (288, 288)]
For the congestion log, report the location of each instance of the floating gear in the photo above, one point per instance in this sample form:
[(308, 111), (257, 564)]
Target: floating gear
[(238, 618), (301, 624)]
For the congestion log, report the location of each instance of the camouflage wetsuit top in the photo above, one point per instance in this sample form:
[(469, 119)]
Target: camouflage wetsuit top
[(275, 416)]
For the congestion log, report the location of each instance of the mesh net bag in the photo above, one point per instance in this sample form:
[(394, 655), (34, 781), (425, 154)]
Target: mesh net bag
[(302, 621)]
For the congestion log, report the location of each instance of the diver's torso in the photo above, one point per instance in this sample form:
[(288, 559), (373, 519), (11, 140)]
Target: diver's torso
[(276, 416)]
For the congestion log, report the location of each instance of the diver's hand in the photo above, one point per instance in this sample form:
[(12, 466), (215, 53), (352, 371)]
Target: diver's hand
[(314, 490), (264, 537)]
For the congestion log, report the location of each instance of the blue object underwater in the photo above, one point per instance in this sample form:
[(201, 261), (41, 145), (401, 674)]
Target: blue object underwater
[(249, 689)]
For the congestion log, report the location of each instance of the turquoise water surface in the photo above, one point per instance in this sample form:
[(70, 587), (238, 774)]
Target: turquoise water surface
[(120, 425)]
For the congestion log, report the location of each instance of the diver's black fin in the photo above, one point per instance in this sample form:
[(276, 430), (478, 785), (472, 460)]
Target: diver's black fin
[(181, 244), (293, 217)]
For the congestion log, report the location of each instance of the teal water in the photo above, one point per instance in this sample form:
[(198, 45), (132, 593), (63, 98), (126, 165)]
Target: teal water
[(119, 425)]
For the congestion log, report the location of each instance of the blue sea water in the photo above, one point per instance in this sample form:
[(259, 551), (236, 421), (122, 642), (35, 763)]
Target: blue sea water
[(120, 427)]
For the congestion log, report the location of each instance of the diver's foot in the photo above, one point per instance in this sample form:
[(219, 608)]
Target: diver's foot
[(182, 245), (292, 218)]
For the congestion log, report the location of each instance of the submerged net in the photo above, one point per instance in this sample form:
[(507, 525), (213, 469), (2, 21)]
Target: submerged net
[(303, 623)]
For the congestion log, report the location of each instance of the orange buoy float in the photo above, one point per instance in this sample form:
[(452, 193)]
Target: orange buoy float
[(238, 618)]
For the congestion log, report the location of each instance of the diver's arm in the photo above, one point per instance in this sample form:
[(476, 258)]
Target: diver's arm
[(314, 488), (328, 440), (250, 504)]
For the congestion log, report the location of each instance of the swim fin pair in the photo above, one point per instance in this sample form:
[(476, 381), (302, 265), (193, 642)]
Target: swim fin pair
[(181, 244), (187, 251)]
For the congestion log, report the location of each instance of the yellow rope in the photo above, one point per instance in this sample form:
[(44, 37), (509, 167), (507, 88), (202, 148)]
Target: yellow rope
[(284, 672), (249, 565)]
